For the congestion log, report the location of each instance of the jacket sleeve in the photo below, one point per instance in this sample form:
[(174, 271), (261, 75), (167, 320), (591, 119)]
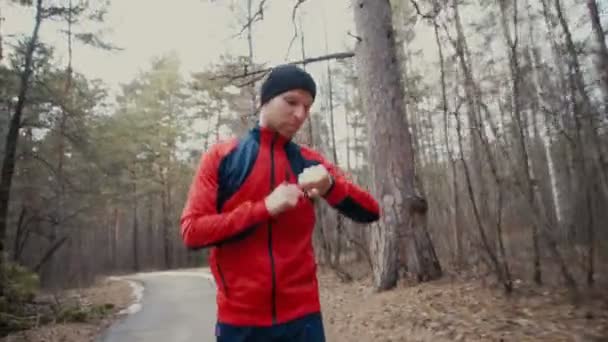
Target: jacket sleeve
[(345, 196), (201, 224)]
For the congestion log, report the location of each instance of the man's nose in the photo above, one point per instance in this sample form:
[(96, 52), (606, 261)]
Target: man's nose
[(301, 113)]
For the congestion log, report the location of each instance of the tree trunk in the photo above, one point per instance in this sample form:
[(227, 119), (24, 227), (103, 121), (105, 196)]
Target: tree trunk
[(1, 42), (513, 56), (391, 156), (458, 256), (21, 235), (339, 219), (556, 116), (473, 100), (136, 265), (251, 117), (10, 148), (474, 175), (218, 125), (115, 234), (601, 53), (587, 110), (493, 261), (165, 203), (305, 135), (150, 234), (544, 135)]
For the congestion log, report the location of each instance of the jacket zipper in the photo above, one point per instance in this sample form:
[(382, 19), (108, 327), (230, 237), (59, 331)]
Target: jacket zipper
[(274, 281)]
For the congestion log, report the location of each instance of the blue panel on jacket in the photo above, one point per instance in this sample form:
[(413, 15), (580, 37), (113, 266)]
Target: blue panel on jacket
[(235, 167)]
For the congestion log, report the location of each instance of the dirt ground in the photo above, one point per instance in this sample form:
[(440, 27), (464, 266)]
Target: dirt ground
[(450, 310), (107, 291), (445, 310)]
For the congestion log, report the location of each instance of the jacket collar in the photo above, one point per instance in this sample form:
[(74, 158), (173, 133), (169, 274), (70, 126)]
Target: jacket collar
[(265, 135)]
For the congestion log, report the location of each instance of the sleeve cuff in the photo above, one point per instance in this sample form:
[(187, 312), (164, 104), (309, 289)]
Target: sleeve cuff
[(336, 193)]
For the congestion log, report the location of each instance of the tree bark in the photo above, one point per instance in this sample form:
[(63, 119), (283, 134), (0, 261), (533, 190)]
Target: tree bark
[(391, 155)]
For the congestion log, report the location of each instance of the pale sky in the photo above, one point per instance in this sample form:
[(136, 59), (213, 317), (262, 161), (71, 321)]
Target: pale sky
[(199, 31)]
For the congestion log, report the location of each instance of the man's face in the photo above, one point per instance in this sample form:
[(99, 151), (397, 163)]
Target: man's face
[(287, 112)]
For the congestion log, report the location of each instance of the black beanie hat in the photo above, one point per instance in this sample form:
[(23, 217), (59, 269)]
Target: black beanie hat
[(284, 78)]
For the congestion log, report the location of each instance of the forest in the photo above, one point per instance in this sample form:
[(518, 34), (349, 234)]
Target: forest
[(480, 126)]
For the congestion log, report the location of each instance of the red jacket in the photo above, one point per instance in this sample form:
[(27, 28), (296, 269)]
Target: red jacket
[(264, 267)]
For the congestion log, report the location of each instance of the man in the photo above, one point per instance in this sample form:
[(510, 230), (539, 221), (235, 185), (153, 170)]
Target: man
[(251, 200)]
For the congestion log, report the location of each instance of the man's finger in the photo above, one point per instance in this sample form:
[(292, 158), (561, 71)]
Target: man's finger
[(313, 193), (307, 186)]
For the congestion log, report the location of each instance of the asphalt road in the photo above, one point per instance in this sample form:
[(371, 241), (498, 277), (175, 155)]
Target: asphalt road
[(176, 306)]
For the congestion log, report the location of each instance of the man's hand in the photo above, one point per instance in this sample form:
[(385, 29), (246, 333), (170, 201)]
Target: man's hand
[(283, 197), (315, 181)]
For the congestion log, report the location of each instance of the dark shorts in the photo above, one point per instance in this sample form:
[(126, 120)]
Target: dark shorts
[(305, 329)]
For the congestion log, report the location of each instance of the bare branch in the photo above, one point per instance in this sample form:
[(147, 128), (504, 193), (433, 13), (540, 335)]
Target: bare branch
[(49, 253), (359, 39), (295, 26), (51, 168), (257, 16), (256, 73), (252, 81)]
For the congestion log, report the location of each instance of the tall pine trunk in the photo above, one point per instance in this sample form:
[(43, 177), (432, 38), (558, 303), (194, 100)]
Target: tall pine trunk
[(391, 155)]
